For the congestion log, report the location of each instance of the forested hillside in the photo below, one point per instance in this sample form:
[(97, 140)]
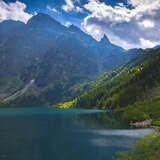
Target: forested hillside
[(133, 88)]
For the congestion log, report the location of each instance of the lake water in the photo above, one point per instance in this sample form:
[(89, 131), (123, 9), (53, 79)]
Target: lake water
[(52, 134)]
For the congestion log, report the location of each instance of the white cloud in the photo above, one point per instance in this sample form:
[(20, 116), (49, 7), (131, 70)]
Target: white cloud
[(143, 2), (79, 9), (70, 5), (121, 13), (52, 9), (147, 23), (94, 29), (68, 24), (147, 43), (102, 11), (14, 10), (127, 27)]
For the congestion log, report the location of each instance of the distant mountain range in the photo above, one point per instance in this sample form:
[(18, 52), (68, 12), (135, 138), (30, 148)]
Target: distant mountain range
[(52, 58)]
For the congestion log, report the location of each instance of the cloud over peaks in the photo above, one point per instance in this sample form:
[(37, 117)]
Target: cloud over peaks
[(14, 10), (129, 27), (72, 5)]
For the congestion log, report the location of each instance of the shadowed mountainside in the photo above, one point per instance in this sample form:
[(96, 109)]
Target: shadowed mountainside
[(57, 58)]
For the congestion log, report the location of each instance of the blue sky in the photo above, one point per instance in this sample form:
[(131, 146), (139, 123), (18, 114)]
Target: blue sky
[(127, 23)]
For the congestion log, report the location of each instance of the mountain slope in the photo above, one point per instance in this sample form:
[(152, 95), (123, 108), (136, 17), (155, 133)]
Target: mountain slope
[(133, 88), (56, 57)]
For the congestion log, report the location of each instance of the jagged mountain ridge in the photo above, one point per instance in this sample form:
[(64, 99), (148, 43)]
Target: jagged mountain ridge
[(55, 56)]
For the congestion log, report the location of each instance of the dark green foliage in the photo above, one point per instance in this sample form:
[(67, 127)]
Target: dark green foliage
[(145, 149), (125, 85), (148, 109)]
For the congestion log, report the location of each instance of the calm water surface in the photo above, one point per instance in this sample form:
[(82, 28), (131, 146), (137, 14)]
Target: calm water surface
[(52, 134)]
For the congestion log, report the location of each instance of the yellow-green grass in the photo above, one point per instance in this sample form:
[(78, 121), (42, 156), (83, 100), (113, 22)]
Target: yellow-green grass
[(64, 105)]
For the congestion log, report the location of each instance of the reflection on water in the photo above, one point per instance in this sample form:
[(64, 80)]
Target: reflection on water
[(117, 138), (137, 133), (49, 134)]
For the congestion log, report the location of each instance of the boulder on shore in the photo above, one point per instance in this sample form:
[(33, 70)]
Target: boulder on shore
[(141, 124)]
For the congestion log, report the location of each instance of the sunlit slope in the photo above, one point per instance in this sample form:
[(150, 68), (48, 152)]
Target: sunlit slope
[(133, 88)]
